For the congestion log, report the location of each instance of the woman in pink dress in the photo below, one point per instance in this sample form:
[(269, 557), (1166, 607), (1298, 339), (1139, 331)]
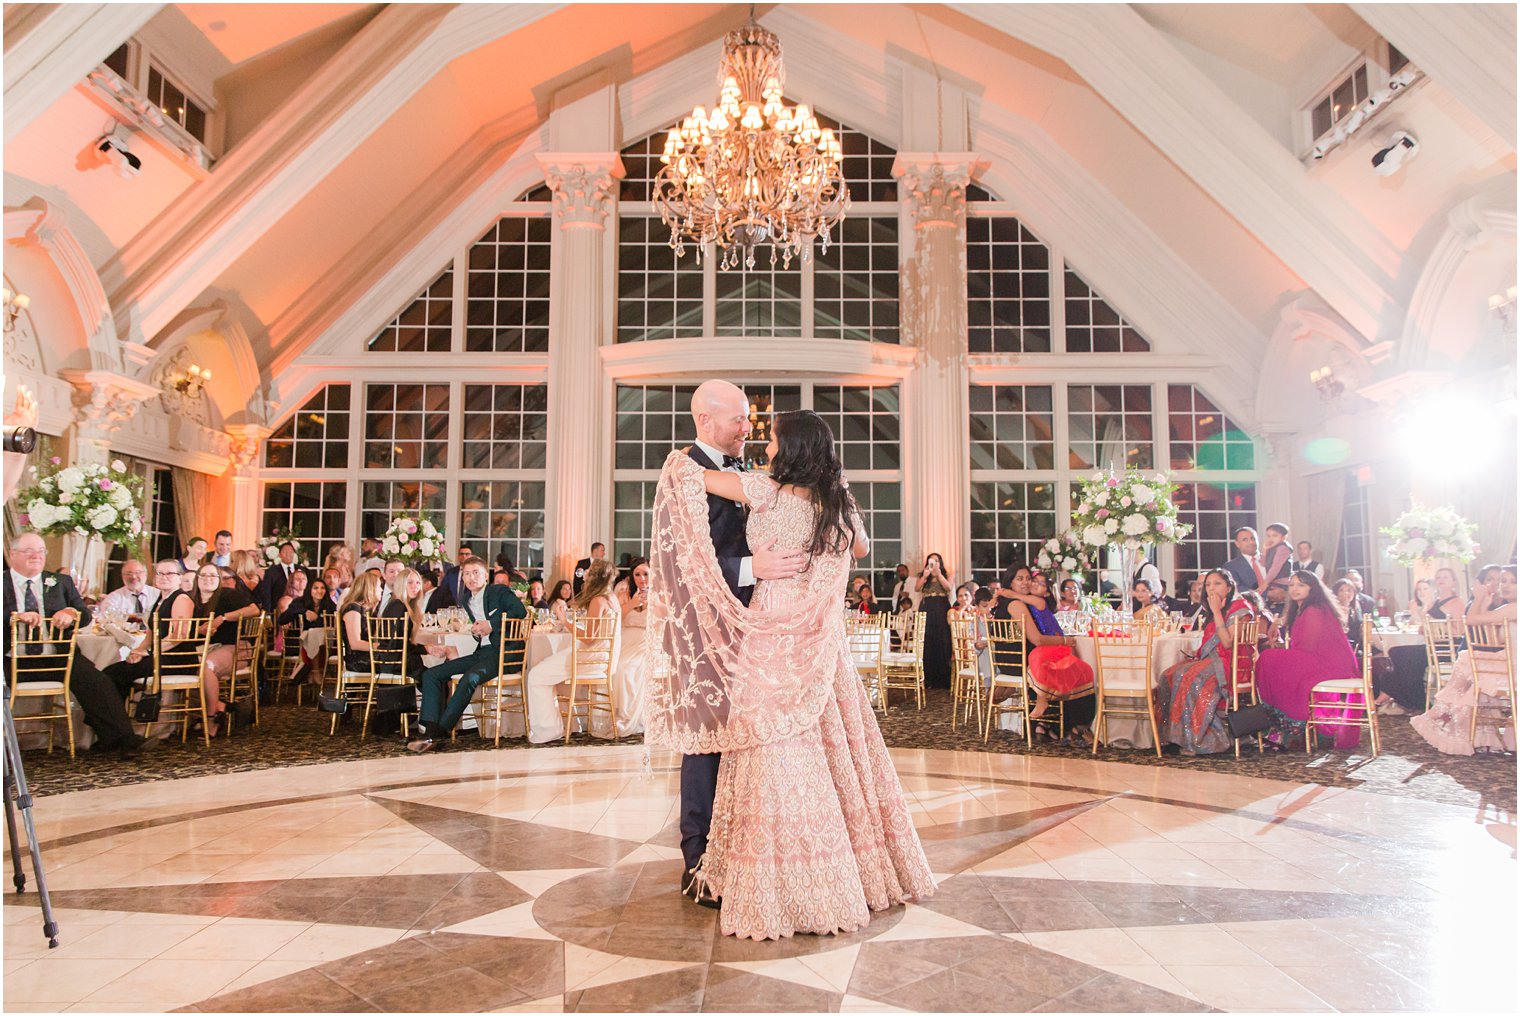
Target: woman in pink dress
[(1319, 652), (810, 830)]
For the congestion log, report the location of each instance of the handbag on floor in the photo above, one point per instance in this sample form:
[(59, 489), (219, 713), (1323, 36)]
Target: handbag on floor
[(1253, 719), (147, 708)]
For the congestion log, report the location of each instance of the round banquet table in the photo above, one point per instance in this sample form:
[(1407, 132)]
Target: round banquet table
[(312, 639), (1386, 640), (1166, 650)]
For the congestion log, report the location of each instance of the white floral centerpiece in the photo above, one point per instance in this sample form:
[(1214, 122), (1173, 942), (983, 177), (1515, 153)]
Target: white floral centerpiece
[(413, 540), (89, 501), (1126, 512), (269, 546), (1064, 553), (1422, 535)]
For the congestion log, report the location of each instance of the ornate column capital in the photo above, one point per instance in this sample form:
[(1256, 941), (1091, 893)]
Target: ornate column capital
[(584, 186), (243, 443), (104, 400), (934, 186)]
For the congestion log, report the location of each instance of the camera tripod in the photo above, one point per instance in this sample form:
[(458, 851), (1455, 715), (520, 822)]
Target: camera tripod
[(16, 794)]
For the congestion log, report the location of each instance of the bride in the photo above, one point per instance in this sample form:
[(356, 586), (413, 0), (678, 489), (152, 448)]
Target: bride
[(810, 830)]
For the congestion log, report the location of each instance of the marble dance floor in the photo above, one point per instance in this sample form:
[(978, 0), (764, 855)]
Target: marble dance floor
[(544, 881)]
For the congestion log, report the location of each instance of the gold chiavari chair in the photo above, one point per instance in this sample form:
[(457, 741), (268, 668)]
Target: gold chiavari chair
[(288, 657), (1340, 708), (1441, 651), (593, 658), (179, 654), (331, 647), (903, 670), (1123, 680), (1493, 672), (49, 655), (864, 634), (243, 682), (1010, 672), (507, 692), (1248, 632), (966, 674), (389, 638)]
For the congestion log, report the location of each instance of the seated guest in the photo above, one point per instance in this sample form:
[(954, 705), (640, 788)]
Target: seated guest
[(853, 596), (294, 606), (137, 665), (389, 572), (1487, 579), (195, 553), (1071, 595), (1448, 725), (333, 580), (559, 603), (405, 600), (277, 576), (135, 599), (1423, 599), (1145, 597), (867, 602), (1364, 603), (536, 598), (501, 578), (506, 566), (304, 610), (222, 555), (340, 559), (1246, 567), (902, 620), (225, 605), (1344, 591), (487, 606), (1148, 572), (1194, 605), (1319, 651), (48, 599), (1448, 605), (248, 576), (633, 601), (965, 602), (1303, 560), (359, 604), (544, 720), (1268, 628), (1053, 668), (369, 555), (1192, 695), (1277, 562), (227, 576)]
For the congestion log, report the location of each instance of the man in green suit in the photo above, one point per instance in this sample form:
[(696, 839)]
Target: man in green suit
[(488, 607)]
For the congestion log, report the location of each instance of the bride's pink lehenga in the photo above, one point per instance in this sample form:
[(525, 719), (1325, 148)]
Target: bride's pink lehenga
[(810, 829)]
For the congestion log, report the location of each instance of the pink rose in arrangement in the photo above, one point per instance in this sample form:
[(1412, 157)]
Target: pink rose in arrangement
[(55, 460), (1113, 481), (105, 484), (1163, 524), (411, 546), (1102, 513), (26, 519), (409, 526)]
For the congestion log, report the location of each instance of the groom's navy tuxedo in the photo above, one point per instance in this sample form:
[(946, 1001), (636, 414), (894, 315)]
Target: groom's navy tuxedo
[(699, 773)]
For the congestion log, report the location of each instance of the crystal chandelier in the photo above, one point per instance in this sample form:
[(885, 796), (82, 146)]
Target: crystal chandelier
[(753, 170)]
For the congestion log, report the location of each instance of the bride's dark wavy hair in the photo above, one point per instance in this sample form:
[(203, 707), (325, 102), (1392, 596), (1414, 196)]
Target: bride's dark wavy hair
[(806, 458)]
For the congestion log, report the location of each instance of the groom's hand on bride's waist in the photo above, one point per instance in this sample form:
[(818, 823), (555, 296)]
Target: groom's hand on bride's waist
[(770, 563)]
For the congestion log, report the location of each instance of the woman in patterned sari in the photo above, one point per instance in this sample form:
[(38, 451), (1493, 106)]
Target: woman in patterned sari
[(1193, 694)]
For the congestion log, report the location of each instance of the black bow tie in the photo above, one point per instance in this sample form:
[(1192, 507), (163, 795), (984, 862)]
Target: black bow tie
[(733, 460)]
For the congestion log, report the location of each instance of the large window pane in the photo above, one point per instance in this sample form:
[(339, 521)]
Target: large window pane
[(1110, 426), (425, 325), (406, 426), (1012, 427), (1007, 288), (765, 300), (855, 282), (1201, 436), (318, 510), (504, 517), (632, 512), (1009, 521), (866, 423), (1215, 511), (1092, 326), (652, 420), (659, 294), (881, 510), (315, 436), (507, 308), (505, 427), (382, 500)]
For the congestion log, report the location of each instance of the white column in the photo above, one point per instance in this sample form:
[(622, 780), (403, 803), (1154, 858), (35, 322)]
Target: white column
[(936, 466), (243, 447), (578, 507)]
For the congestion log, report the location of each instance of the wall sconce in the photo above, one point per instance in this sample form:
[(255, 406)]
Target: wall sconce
[(1330, 387), (1503, 304), (15, 303), (191, 383)]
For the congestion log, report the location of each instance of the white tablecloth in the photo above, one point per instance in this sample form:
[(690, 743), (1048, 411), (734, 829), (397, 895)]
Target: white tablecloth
[(103, 648), (312, 639), (1386, 640), (1166, 651)]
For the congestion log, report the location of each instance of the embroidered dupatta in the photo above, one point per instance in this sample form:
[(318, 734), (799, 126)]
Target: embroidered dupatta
[(721, 677)]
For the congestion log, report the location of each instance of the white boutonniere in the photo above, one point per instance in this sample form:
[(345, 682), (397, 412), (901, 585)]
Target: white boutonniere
[(49, 582)]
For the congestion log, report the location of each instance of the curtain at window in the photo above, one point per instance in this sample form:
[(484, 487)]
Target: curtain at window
[(1324, 507), (200, 504)]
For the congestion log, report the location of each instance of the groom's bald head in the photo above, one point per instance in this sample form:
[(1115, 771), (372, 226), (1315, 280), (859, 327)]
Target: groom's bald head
[(721, 413)]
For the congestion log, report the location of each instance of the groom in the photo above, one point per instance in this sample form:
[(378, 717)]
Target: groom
[(721, 413)]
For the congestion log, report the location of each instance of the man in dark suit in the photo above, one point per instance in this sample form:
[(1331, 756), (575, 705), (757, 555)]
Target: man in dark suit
[(448, 592), (272, 586), (721, 413), (44, 598), (488, 606), (1246, 566), (598, 552)]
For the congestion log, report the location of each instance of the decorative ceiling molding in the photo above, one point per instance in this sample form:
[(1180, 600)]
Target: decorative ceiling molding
[(217, 319), (689, 358), (1194, 123), (169, 264), (1468, 48), (45, 226), (49, 48)]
